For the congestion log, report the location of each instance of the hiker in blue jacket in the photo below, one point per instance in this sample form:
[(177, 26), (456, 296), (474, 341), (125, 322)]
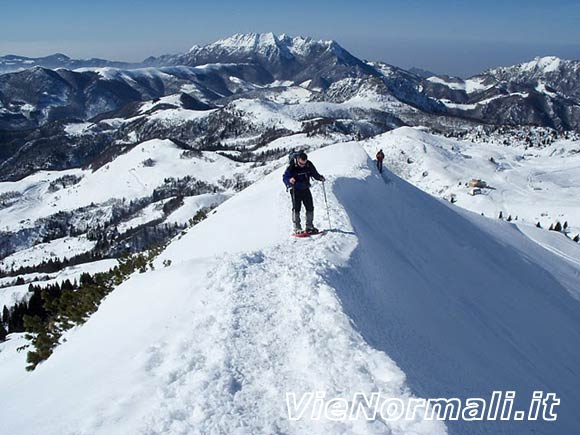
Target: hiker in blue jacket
[(297, 179)]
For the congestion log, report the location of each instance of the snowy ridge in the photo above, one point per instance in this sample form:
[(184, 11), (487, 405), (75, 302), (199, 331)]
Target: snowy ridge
[(242, 333), (406, 296), (265, 44), (540, 65)]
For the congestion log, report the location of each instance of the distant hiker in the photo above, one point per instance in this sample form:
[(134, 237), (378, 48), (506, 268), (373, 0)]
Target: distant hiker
[(297, 180), (380, 157)]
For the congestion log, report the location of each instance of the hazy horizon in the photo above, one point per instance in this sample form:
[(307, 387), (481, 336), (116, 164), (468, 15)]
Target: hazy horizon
[(449, 37)]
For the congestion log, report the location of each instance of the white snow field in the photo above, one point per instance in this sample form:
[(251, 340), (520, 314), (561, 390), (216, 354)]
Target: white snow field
[(125, 177), (405, 295), (62, 248), (533, 185)]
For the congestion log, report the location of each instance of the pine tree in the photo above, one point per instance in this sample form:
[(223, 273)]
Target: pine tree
[(538, 225), (36, 305), (509, 218), (16, 323), (500, 215), (3, 332), (5, 315), (576, 238), (558, 226)]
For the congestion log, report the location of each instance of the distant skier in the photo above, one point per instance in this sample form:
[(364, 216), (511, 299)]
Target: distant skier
[(297, 180), (380, 157)]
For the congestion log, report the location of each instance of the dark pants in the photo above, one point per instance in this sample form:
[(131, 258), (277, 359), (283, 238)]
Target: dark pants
[(380, 165), (299, 197)]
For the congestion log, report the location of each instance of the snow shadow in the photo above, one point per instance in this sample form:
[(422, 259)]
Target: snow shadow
[(461, 310)]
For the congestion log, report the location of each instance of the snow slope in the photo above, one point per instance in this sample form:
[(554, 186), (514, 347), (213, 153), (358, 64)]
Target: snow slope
[(472, 85), (536, 185), (65, 247), (125, 177), (405, 291), (465, 305)]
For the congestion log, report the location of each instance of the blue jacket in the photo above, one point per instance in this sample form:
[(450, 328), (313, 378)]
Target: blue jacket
[(301, 175)]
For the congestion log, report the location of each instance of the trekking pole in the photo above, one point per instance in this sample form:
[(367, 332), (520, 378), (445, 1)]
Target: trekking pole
[(327, 210), (293, 195)]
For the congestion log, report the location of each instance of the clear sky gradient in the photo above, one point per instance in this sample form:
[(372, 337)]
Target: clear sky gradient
[(459, 37)]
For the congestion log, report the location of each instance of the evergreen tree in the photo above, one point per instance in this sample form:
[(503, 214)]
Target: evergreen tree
[(500, 215), (576, 238), (538, 225), (558, 226), (16, 322), (35, 304), (3, 332), (5, 315)]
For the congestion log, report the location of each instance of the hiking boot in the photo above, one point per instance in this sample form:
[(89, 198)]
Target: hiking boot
[(312, 230), (309, 219), (298, 230)]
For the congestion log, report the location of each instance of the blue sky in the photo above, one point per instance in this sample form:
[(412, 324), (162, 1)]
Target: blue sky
[(446, 36)]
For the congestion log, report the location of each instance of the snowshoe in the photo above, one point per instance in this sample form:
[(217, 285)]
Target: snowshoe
[(308, 233)]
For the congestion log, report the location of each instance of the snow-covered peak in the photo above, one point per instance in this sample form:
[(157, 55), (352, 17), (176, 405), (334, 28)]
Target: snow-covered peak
[(303, 45), (562, 75), (244, 41), (265, 42), (266, 45), (539, 66), (545, 64)]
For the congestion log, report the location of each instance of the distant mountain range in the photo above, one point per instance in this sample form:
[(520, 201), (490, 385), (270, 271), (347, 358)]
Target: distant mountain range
[(545, 91), (314, 81), (12, 63)]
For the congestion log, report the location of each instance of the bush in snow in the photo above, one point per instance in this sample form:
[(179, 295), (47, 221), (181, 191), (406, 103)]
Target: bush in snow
[(63, 182), (237, 183), (8, 198)]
